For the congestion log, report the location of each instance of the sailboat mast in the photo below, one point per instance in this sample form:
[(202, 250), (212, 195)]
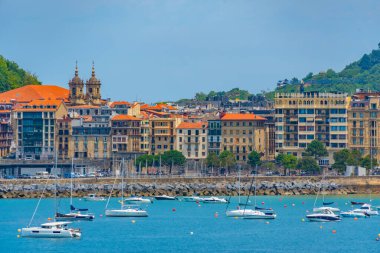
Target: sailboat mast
[(55, 188), (122, 183), (239, 182), (255, 184), (71, 181)]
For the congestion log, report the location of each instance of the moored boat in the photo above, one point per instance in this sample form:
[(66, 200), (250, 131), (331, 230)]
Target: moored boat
[(127, 211), (367, 209), (192, 199), (165, 197), (214, 200), (51, 230), (137, 200), (93, 197), (322, 208), (323, 216), (353, 214)]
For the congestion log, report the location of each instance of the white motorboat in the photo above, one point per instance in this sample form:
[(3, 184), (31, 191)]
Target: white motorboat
[(367, 209), (127, 211), (192, 199), (93, 197), (137, 200), (214, 200), (322, 208), (51, 230), (165, 197), (353, 214), (323, 215), (254, 214)]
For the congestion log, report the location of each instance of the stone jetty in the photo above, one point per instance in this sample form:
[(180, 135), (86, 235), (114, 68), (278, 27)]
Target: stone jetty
[(32, 188)]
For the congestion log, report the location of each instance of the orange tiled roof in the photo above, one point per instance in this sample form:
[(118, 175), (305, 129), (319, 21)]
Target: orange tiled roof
[(122, 117), (32, 92), (242, 116), (40, 105), (85, 106), (190, 125), (114, 104)]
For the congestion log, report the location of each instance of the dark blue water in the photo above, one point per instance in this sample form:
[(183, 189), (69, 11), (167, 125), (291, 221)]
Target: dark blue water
[(193, 228)]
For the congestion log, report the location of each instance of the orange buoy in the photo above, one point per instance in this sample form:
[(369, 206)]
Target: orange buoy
[(334, 231), (49, 218), (356, 218)]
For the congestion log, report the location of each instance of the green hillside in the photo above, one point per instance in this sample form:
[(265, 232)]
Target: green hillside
[(364, 73), (12, 76)]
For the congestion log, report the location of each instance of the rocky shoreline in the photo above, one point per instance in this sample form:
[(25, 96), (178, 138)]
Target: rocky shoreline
[(190, 186)]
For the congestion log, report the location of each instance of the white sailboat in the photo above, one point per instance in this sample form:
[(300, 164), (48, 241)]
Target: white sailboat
[(93, 197), (50, 229), (137, 200), (75, 213), (125, 210)]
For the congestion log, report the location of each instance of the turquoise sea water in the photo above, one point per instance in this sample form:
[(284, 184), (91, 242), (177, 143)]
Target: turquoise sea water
[(174, 226)]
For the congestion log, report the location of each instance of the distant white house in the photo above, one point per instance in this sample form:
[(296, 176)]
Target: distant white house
[(355, 171)]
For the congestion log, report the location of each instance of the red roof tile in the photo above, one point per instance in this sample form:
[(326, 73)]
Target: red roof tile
[(242, 116), (32, 92), (190, 125), (123, 117)]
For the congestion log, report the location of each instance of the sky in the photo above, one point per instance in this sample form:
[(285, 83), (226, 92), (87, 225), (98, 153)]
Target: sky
[(162, 50)]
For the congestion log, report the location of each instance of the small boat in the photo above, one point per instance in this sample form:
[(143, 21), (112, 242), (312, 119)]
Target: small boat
[(322, 208), (265, 210), (328, 203), (127, 211), (192, 199), (165, 197), (214, 200), (357, 203), (137, 200), (255, 214), (323, 216), (354, 214), (51, 230), (367, 209), (74, 215), (93, 197)]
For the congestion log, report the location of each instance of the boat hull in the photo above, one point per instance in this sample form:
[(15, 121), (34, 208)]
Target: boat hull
[(138, 201), (126, 213), (353, 215), (322, 218), (37, 232), (165, 198), (74, 217)]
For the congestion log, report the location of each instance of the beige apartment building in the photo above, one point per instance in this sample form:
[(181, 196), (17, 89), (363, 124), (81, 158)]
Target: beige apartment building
[(191, 140), (243, 133), (364, 123), (303, 117), (163, 134)]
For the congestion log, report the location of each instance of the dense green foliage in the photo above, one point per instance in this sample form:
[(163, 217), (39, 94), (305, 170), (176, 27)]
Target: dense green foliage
[(316, 149), (212, 160), (12, 76), (254, 158), (346, 157), (364, 73), (227, 159), (308, 164)]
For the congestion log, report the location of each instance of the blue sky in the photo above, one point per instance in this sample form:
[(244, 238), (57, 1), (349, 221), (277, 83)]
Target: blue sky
[(166, 50)]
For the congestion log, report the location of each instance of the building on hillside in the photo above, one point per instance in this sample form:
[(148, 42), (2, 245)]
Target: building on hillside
[(163, 134), (191, 140), (214, 136), (126, 136), (91, 138), (364, 123), (301, 118), (145, 135), (64, 145), (270, 138), (242, 134), (35, 128), (77, 95), (6, 131)]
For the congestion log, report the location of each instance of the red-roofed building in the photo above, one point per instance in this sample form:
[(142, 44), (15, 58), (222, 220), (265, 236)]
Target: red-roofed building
[(126, 136), (243, 133), (35, 128), (191, 140)]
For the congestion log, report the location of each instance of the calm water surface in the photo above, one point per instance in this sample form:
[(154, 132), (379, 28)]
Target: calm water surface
[(193, 228)]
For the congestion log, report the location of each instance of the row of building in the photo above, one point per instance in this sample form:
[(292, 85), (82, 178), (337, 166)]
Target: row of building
[(40, 121)]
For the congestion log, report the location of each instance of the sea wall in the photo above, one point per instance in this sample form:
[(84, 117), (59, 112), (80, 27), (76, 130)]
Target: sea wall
[(32, 188)]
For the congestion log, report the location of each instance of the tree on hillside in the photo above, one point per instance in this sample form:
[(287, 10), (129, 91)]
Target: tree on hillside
[(227, 159), (200, 96), (254, 159), (316, 149), (308, 164), (173, 158)]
